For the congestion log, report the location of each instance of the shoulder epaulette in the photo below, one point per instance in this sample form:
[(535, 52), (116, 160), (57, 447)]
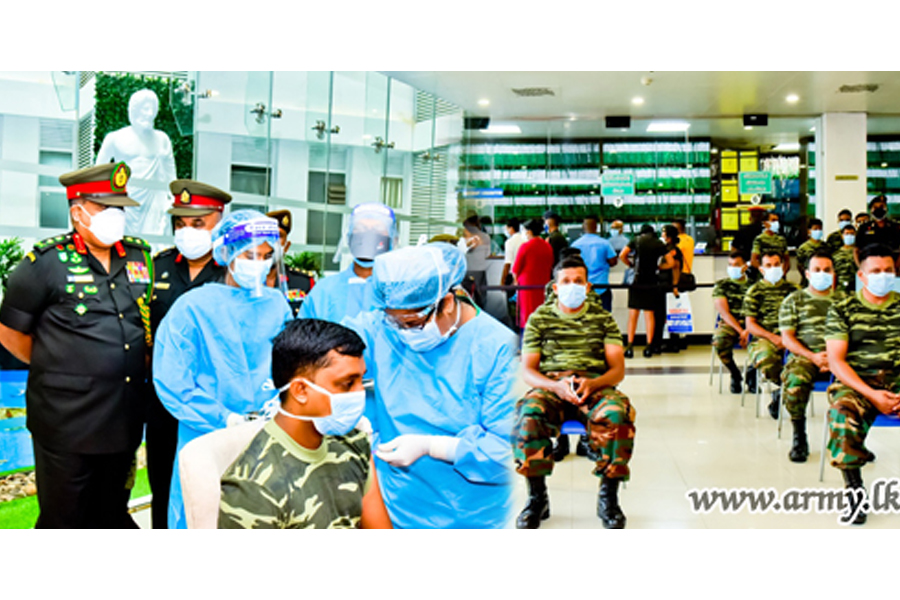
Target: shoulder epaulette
[(136, 242), (164, 253), (52, 242)]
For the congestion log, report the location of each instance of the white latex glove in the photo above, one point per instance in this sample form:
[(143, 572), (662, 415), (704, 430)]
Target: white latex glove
[(234, 419), (406, 449)]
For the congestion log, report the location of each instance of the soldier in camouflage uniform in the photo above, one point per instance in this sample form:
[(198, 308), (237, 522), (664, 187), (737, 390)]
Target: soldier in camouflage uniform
[(304, 470), (770, 241), (761, 306), (835, 238), (728, 298), (810, 247), (573, 359), (802, 323), (862, 333), (845, 260)]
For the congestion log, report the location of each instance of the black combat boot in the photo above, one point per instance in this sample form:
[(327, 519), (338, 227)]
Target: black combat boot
[(561, 447), (799, 447), (751, 380), (853, 480), (538, 506), (736, 379), (775, 404), (608, 504), (629, 351)]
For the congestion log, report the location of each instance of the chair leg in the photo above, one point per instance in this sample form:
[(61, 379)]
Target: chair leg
[(712, 364), (744, 384), (721, 369), (824, 446), (781, 411)]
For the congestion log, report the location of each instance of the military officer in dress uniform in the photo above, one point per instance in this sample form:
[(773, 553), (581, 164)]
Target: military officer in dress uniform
[(77, 310), (196, 209), (298, 283)]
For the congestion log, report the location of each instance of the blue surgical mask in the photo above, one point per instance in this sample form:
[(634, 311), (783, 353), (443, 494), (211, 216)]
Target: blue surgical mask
[(774, 274), (615, 232), (572, 295), (251, 274), (735, 273), (365, 264), (880, 284), (346, 410), (428, 337), (849, 239), (774, 226), (842, 224), (821, 281), (816, 234)]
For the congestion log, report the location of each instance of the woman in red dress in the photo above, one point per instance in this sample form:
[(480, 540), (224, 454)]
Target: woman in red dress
[(533, 266)]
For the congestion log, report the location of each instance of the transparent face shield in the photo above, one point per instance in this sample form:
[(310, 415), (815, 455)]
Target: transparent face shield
[(370, 230), (252, 250)]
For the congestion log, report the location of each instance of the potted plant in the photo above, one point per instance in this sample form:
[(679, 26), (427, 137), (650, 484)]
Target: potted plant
[(11, 254)]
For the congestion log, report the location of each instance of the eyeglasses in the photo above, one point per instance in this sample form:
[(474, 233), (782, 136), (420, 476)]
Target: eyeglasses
[(417, 320)]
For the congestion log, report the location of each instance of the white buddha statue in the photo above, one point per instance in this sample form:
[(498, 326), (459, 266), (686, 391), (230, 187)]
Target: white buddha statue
[(149, 154)]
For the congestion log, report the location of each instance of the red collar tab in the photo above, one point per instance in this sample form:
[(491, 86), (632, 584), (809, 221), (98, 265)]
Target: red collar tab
[(188, 200), (120, 249), (80, 248), (178, 258)]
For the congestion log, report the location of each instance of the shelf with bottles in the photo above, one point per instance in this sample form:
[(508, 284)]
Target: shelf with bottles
[(656, 154), (502, 156)]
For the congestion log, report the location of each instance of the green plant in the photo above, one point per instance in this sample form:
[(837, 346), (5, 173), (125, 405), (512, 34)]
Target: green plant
[(309, 262), (11, 254), (112, 93)]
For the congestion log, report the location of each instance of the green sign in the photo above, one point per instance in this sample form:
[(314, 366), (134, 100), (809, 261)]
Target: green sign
[(613, 184), (756, 182)]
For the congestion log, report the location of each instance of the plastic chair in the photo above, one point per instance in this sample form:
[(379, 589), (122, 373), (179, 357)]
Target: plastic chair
[(201, 464), (819, 385), (572, 428), (880, 421)]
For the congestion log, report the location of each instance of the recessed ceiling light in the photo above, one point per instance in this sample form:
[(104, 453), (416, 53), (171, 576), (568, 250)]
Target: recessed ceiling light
[(788, 147), (501, 129), (668, 126), (812, 128), (484, 102), (748, 127), (884, 165), (637, 100), (792, 98)]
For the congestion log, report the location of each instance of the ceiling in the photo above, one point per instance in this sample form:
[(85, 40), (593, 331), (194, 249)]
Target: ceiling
[(713, 102)]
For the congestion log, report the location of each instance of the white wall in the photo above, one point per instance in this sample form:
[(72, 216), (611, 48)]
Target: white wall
[(840, 151), (19, 191)]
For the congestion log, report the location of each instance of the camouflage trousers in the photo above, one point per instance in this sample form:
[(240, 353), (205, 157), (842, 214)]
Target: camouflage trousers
[(766, 358), (849, 420), (797, 381), (608, 417), (725, 339)]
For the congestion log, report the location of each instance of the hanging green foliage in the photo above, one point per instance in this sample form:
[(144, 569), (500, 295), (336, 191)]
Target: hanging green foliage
[(308, 262), (11, 254), (113, 91)]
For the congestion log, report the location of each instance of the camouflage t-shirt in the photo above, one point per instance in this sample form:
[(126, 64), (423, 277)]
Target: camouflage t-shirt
[(805, 252), (734, 292), (845, 268), (571, 342), (765, 242), (835, 240), (763, 301), (872, 333), (804, 314), (278, 484)]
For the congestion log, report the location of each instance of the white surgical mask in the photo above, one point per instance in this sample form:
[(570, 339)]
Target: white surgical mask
[(774, 274), (735, 273), (774, 226), (251, 274), (821, 280), (849, 239), (108, 225), (816, 234), (346, 410), (572, 295), (428, 337), (842, 224), (193, 243), (880, 284)]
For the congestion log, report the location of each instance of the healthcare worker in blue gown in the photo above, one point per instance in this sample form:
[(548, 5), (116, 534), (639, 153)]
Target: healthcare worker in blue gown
[(371, 230), (213, 351), (443, 407)]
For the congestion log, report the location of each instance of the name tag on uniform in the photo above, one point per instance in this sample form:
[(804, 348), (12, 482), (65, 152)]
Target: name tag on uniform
[(80, 278), (162, 285), (137, 272), (294, 295)]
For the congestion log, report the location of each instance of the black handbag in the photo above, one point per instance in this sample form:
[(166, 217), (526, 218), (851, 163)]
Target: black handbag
[(687, 282)]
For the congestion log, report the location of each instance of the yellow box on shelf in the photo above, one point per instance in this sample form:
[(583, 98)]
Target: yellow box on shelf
[(729, 162), (729, 219), (749, 161), (730, 191)]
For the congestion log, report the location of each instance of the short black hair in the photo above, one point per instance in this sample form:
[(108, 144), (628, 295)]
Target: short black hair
[(876, 250), (647, 228), (570, 262), (592, 218), (845, 211), (513, 223), (737, 254), (848, 226), (570, 251), (773, 252), (820, 253), (535, 226), (671, 232), (770, 213), (861, 215), (303, 346), (814, 222), (680, 223), (552, 215)]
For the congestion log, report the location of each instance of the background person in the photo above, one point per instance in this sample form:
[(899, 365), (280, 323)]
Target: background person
[(555, 237), (617, 238), (671, 265), (845, 268), (212, 358), (599, 256), (442, 409), (196, 210), (533, 266), (770, 240), (881, 229), (296, 284), (643, 295), (810, 247), (844, 217), (728, 299)]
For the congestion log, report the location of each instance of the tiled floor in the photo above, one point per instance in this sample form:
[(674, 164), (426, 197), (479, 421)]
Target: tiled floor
[(689, 436)]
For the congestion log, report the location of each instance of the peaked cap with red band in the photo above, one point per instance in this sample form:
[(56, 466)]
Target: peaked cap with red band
[(103, 184), (195, 199)]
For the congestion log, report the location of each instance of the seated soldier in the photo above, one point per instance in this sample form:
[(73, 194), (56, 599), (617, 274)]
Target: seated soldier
[(728, 298), (845, 260), (573, 358), (862, 337), (761, 306), (802, 323), (810, 247), (309, 467)]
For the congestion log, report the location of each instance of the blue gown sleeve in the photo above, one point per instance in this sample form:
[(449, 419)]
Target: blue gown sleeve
[(175, 365), (308, 308), (484, 453)]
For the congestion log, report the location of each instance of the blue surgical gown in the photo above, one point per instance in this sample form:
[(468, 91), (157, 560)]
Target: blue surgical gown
[(463, 388), (212, 357), (335, 297)]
